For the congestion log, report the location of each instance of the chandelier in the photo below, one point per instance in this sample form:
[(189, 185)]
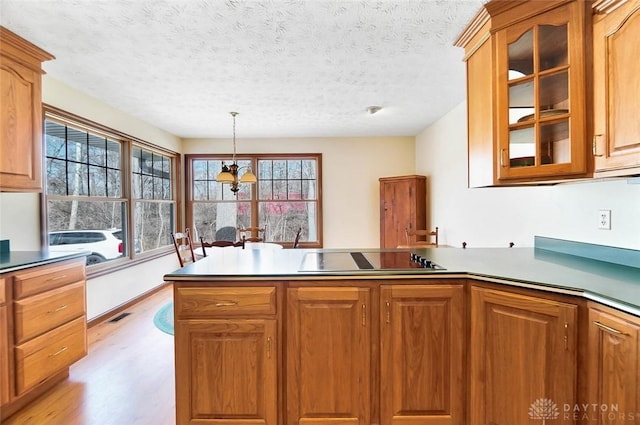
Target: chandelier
[(229, 174)]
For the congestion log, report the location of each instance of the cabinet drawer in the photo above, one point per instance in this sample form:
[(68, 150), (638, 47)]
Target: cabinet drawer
[(3, 295), (47, 277), (50, 353), (40, 313), (213, 302)]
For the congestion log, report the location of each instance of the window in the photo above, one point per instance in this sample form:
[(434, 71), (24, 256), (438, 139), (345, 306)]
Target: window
[(153, 203), (87, 190), (285, 199)]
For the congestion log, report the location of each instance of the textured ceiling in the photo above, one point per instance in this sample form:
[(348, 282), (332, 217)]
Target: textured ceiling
[(291, 68)]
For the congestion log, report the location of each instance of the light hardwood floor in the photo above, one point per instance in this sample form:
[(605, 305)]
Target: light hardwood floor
[(126, 379)]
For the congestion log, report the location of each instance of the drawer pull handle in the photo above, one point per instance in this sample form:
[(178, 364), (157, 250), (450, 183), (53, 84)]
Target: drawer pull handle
[(269, 347), (62, 307), (608, 328), (53, 279), (388, 306), (60, 351), (226, 303)]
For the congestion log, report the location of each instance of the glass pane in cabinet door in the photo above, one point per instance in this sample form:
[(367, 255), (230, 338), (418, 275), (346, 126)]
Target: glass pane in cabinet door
[(521, 104), (554, 93), (521, 56), (522, 147), (553, 46), (555, 147)]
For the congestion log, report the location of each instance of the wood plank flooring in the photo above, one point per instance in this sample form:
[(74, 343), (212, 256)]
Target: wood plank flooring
[(126, 379)]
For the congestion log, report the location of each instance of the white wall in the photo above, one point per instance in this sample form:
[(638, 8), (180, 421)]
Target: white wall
[(20, 212), (497, 216), (351, 169)]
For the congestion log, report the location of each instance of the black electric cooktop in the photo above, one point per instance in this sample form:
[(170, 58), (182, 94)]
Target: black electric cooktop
[(363, 261)]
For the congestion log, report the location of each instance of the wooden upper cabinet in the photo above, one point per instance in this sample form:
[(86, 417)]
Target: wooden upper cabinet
[(616, 67), (403, 205), (526, 87), (21, 137)]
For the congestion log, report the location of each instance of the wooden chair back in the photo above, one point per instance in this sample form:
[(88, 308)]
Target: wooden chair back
[(422, 237), (251, 234), (219, 244), (296, 241), (184, 247)]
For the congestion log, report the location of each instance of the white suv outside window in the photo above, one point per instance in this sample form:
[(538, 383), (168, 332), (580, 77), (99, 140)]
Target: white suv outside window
[(103, 244)]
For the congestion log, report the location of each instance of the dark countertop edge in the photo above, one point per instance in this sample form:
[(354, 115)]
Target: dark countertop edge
[(28, 259), (610, 302)]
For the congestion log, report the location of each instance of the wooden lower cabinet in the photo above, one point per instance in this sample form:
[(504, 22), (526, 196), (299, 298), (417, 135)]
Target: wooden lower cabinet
[(385, 352), (227, 356), (43, 329), (423, 333), (328, 356), (523, 357), (613, 368), (400, 352), (232, 371), (4, 356)]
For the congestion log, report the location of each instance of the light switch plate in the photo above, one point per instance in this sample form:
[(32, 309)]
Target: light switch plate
[(604, 219)]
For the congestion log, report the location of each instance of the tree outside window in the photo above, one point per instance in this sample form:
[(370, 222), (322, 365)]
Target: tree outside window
[(285, 199), (87, 200)]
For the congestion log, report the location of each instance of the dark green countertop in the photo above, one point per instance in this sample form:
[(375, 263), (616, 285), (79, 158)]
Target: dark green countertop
[(18, 260), (612, 284)]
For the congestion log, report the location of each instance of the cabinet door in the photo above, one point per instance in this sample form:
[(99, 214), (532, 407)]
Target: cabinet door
[(523, 357), (614, 378), (423, 362), (616, 144), (402, 206), (229, 372), (541, 113), (328, 356), (4, 355), (21, 113)]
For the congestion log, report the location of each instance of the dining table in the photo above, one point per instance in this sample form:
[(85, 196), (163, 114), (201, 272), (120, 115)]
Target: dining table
[(262, 245)]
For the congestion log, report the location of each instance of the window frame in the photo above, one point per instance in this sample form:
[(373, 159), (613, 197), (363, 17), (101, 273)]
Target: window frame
[(127, 144), (254, 201)]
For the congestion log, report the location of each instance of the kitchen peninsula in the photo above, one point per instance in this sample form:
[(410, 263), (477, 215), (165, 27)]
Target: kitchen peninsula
[(306, 337)]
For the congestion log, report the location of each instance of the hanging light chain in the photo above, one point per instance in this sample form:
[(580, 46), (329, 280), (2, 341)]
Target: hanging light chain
[(233, 114)]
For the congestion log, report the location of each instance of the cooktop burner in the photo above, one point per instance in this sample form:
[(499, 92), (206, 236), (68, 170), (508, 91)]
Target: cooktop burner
[(362, 261)]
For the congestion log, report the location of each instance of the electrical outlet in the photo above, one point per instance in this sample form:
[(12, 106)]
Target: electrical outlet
[(604, 219)]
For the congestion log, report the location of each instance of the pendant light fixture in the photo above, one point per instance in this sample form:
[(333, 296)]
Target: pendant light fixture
[(229, 174)]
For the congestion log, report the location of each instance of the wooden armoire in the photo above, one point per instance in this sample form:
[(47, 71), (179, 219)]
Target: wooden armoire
[(403, 204)]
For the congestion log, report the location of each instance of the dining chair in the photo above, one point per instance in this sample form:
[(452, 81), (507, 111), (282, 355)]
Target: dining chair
[(219, 244), (184, 247), (427, 237), (251, 234), (226, 233), (296, 241)]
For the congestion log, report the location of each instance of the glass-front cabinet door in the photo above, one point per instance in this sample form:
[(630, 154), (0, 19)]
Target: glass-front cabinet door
[(541, 99)]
